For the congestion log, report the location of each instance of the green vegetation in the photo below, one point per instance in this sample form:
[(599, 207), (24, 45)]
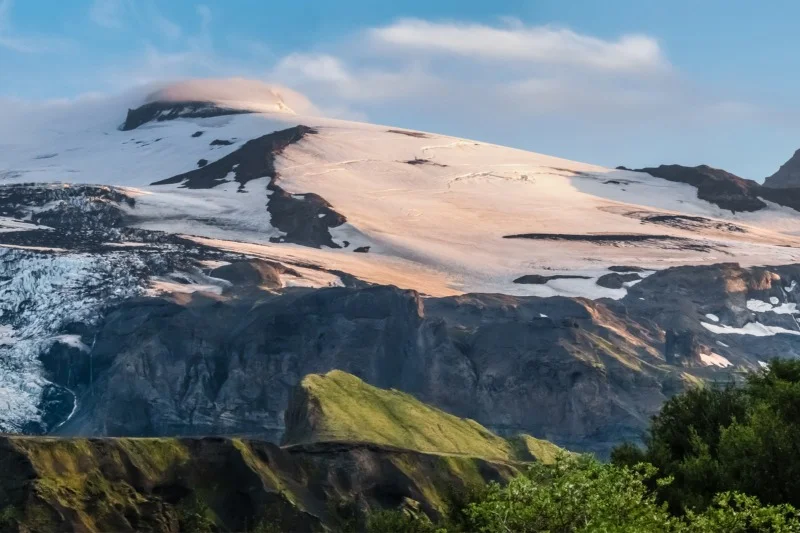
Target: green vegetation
[(341, 407), (578, 494), (711, 440), (344, 408)]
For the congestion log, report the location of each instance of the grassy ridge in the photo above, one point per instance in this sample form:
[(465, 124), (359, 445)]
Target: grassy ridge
[(340, 407)]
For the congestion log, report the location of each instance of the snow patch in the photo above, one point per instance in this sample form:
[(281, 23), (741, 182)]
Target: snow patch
[(712, 317), (714, 359), (763, 307), (758, 306), (751, 328), (73, 341)]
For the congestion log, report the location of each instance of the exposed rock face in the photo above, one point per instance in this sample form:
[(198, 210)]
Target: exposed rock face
[(161, 111), (537, 279), (616, 280), (303, 218), (714, 185), (731, 192), (490, 358), (586, 375), (252, 273), (788, 176)]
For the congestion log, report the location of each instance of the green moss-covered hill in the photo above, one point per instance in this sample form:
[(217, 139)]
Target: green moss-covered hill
[(220, 484), (351, 449), (339, 407)]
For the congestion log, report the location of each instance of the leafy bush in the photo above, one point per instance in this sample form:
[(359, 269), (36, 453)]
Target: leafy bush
[(743, 439), (573, 495)]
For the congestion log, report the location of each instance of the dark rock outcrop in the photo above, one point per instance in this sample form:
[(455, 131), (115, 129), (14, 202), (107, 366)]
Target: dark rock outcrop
[(729, 191), (302, 218), (788, 176), (615, 280), (626, 268), (161, 111), (714, 185), (253, 272), (537, 279)]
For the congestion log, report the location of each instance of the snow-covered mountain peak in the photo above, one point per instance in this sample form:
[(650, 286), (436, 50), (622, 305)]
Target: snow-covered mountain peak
[(235, 93), (216, 97)]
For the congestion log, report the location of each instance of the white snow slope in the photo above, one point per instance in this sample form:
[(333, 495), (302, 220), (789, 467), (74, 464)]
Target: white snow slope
[(436, 226)]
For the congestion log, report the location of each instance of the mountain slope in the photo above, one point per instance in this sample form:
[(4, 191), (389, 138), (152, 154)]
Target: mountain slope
[(182, 275), (420, 203)]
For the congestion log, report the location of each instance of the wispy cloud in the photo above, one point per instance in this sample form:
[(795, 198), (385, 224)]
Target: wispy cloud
[(205, 15), (108, 13), (504, 74), (525, 44), (329, 76), (162, 24), (119, 14)]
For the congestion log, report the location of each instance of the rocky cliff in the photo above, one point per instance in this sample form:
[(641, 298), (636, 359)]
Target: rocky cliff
[(223, 484), (583, 374)]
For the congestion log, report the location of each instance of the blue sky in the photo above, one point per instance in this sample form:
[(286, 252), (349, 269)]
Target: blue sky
[(633, 82)]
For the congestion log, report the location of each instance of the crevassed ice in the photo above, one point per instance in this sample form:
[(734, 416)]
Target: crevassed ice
[(43, 293)]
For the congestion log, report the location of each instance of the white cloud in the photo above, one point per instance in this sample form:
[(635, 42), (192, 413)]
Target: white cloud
[(328, 76), (526, 44), (506, 75)]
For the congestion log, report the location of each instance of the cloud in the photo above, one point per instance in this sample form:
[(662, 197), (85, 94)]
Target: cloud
[(163, 25), (28, 44), (458, 71), (235, 92), (108, 13), (204, 12), (523, 44), (144, 14), (331, 79)]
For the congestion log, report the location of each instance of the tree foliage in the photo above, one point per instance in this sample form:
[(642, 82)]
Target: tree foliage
[(578, 494), (744, 439)]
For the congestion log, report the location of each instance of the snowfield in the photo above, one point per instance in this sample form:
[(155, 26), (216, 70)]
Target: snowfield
[(433, 210)]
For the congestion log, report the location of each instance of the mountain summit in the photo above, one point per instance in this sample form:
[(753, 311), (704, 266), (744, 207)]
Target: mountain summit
[(786, 176)]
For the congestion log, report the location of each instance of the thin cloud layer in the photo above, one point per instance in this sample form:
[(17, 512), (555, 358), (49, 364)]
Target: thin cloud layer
[(508, 82), (519, 43)]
